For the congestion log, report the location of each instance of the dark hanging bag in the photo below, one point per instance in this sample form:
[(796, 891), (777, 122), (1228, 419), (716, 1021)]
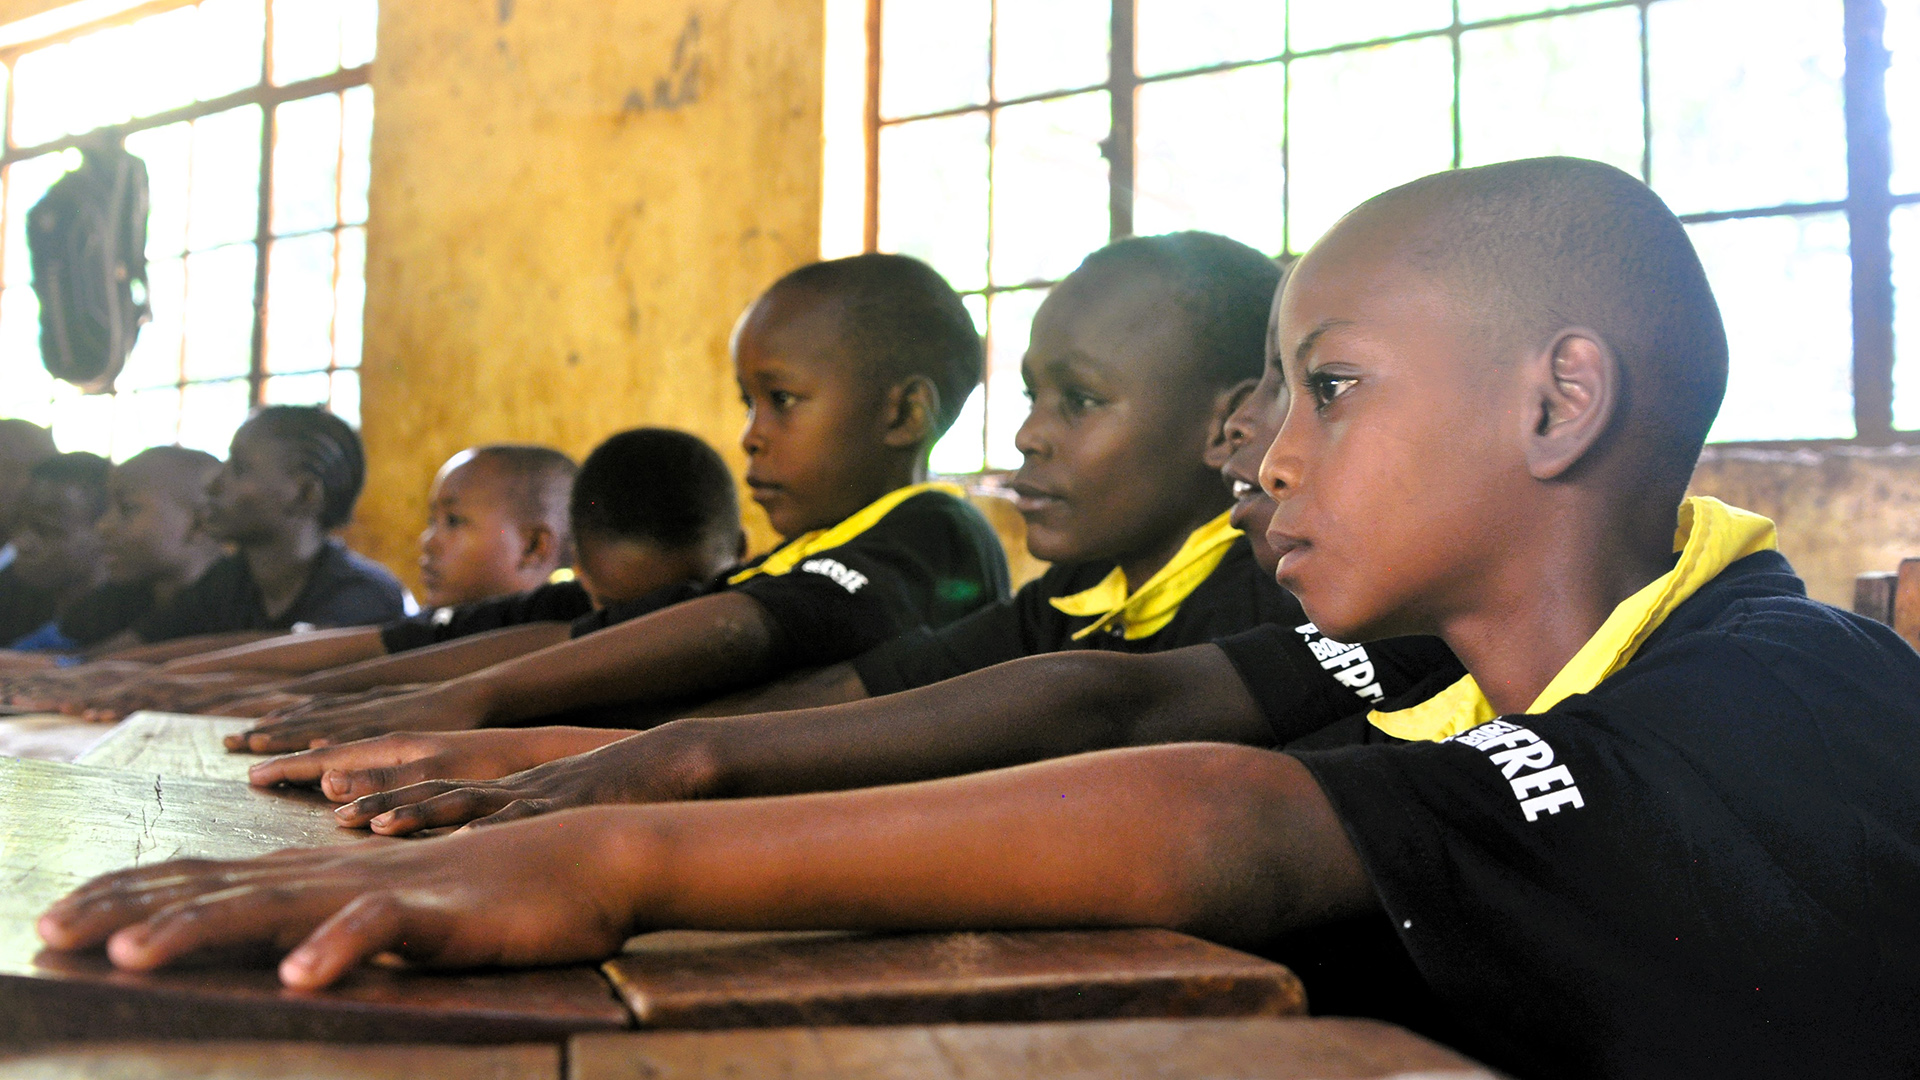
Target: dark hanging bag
[(87, 239)]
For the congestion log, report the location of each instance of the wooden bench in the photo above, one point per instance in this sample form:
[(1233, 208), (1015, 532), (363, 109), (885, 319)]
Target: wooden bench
[(1891, 597)]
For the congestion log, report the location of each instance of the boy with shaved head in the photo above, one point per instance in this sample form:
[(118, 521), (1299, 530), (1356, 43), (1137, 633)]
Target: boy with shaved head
[(1666, 827)]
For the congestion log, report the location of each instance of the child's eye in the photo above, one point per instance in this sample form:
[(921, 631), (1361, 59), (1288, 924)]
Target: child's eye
[(1073, 401), (1325, 387), (781, 399), (454, 521)]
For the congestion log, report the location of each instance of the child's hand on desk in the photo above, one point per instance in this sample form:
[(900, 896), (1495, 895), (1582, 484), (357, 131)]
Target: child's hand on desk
[(440, 707), (539, 894), (653, 766), (352, 770), (165, 692), (68, 689)]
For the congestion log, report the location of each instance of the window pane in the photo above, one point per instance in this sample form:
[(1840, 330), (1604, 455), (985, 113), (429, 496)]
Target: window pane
[(229, 42), (29, 389), (359, 29), (1010, 324), (219, 312), (93, 82), (933, 195), (27, 181), (300, 303), (356, 145), (82, 422), (306, 163), (155, 360), (1903, 92), (1784, 285), (168, 152), (350, 298), (963, 448), (1906, 317), (1043, 45), (1172, 35), (1049, 188), (225, 205), (941, 55), (306, 39), (210, 413), (1472, 11), (1319, 23), (1209, 157), (165, 70), (1745, 97), (296, 389), (145, 418), (42, 99), (345, 403), (1569, 85), (1363, 122)]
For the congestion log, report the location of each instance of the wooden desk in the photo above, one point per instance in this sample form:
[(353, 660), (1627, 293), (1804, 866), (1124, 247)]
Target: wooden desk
[(48, 736), (173, 745), (280, 1061), (690, 980), (1252, 1049), (62, 824)]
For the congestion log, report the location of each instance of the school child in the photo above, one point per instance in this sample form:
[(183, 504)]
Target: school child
[(59, 552), (154, 544), (1664, 829), (496, 524), (850, 370), (291, 477)]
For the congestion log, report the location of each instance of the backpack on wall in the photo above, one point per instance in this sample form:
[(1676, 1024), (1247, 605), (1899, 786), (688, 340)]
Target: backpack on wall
[(87, 240)]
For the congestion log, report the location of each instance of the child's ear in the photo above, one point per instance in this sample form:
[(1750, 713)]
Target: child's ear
[(912, 404), (1220, 444), (1575, 387), (539, 546), (309, 496)]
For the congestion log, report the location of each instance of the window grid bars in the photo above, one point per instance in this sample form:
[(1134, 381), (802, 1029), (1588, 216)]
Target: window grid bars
[(1869, 203)]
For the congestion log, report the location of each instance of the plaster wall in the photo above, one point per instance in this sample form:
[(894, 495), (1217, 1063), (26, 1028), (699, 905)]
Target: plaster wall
[(1841, 510), (571, 203)]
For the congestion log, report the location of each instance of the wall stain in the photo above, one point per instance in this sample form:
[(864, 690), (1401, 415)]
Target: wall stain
[(681, 85)]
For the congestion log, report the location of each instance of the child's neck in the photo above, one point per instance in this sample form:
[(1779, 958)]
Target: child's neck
[(169, 584), (280, 565), (1140, 567), (65, 596), (1534, 613)]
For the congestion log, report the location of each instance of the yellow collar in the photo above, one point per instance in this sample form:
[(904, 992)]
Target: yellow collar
[(809, 544), (1152, 606), (1711, 536)]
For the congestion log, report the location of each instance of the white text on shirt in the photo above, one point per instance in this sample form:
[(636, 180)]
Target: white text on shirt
[(837, 572), (1526, 761), (1348, 663)]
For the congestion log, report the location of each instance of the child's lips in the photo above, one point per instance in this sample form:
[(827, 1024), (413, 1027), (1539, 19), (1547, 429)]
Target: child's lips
[(1032, 500), (1290, 549)]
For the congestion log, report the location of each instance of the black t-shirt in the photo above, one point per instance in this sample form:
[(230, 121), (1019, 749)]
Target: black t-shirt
[(106, 611), (23, 608), (1236, 596), (1709, 865), (1315, 692), (931, 560), (342, 589), (562, 601)]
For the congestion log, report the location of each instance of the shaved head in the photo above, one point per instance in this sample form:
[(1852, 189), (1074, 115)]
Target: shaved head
[(1530, 248), (177, 472)]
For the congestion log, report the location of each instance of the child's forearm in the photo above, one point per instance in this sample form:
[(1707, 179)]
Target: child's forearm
[(1009, 714), (834, 685), (291, 654), (435, 663), (701, 647), (163, 651)]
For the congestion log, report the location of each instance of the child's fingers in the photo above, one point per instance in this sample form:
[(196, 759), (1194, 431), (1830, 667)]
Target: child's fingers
[(86, 916), (517, 810), (456, 807), (313, 766), (347, 785), (271, 910), (372, 924)]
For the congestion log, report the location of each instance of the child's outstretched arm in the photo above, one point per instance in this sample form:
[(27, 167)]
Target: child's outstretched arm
[(1026, 710), (288, 654), (434, 663), (1232, 844), (697, 648)]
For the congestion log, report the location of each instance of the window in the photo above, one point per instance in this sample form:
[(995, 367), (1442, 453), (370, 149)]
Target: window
[(1006, 140), (254, 120)]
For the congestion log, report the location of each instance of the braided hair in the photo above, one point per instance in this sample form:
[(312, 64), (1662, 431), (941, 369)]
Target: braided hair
[(321, 445)]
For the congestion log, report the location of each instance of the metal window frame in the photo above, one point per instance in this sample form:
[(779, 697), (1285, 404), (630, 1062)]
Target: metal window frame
[(1869, 202), (266, 94)]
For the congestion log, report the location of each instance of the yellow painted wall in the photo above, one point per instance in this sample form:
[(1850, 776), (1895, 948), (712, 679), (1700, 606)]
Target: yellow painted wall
[(572, 201)]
